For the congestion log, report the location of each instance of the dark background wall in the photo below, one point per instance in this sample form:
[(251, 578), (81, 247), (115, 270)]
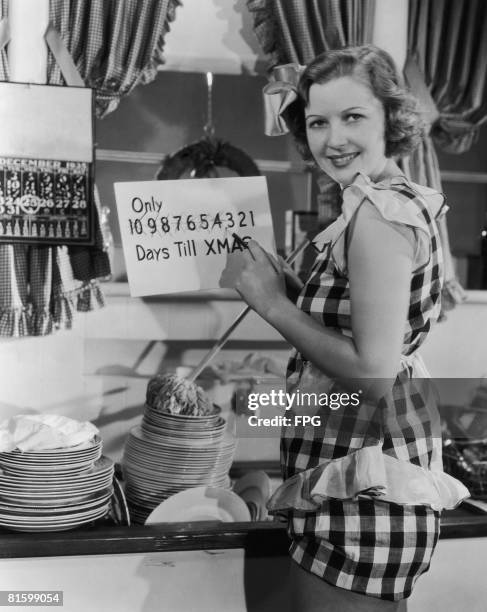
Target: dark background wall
[(467, 217)]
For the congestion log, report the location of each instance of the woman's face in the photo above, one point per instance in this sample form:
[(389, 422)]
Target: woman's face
[(345, 126)]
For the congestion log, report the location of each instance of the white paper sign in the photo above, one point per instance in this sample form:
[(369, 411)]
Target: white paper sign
[(176, 235)]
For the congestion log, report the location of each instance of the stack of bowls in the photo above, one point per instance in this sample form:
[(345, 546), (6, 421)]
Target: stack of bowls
[(169, 453)]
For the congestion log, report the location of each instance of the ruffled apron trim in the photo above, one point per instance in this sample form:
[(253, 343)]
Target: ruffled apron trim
[(368, 472)]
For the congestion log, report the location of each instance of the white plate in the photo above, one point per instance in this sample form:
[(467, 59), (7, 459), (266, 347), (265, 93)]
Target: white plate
[(87, 467), (201, 504), (95, 442), (58, 525)]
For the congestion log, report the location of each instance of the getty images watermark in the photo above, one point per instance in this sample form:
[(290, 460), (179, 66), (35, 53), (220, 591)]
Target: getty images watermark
[(264, 411), (293, 403)]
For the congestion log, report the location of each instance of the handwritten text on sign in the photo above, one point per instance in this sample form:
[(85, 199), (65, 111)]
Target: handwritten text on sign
[(176, 235)]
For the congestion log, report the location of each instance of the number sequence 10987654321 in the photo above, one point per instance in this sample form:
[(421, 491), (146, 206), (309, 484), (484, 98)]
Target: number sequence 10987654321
[(172, 224)]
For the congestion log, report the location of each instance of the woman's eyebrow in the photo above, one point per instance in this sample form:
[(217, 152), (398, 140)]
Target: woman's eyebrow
[(345, 110)]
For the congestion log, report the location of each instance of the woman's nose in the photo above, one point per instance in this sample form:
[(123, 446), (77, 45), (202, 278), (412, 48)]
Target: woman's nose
[(336, 136)]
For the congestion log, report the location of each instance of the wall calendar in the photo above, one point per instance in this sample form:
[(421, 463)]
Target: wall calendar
[(46, 164), (45, 201)]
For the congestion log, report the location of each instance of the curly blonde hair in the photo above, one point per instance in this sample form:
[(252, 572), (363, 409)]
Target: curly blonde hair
[(375, 67)]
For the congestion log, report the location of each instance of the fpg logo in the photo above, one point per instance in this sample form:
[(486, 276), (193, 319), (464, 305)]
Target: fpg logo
[(306, 419)]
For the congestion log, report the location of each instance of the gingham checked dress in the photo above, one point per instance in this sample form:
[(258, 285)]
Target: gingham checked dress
[(363, 492)]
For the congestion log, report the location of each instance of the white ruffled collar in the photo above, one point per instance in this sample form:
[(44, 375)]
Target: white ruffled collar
[(391, 207)]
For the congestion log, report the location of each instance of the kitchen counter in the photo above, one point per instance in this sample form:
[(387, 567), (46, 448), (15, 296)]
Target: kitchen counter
[(259, 539)]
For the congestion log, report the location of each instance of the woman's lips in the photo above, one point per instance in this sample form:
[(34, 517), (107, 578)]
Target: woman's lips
[(341, 161)]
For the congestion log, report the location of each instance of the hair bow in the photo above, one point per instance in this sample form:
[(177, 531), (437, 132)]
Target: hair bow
[(278, 95)]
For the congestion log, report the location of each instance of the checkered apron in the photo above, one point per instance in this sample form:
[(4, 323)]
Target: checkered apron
[(366, 545)]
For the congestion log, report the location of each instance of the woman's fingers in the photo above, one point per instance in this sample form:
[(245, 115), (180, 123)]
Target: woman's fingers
[(235, 263), (255, 252), (260, 254)]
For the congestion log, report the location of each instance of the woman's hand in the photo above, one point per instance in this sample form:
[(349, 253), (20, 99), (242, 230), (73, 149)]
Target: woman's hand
[(257, 276), (293, 283)]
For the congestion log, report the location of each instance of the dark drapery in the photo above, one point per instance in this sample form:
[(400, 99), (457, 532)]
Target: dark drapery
[(115, 45), (297, 31), (447, 42)]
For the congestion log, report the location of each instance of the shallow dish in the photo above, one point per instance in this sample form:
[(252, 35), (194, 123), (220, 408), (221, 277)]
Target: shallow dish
[(201, 504)]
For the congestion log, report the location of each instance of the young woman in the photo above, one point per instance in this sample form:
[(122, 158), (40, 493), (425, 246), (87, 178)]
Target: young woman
[(362, 492)]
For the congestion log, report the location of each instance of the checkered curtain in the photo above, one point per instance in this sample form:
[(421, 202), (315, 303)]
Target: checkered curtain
[(297, 31), (115, 44)]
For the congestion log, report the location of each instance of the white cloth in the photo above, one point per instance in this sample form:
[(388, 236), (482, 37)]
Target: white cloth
[(369, 472), (35, 432)]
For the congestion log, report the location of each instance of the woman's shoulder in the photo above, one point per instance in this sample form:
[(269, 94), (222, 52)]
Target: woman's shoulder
[(397, 199), (409, 209)]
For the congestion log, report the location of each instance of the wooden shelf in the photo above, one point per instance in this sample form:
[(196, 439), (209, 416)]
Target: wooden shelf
[(259, 539)]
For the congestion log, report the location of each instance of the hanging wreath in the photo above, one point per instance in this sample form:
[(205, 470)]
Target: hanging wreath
[(201, 159)]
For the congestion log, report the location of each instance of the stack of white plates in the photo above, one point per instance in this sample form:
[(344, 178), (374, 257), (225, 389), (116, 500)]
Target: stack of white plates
[(182, 429), (171, 453), (54, 490)]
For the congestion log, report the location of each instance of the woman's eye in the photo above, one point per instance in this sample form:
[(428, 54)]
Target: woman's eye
[(352, 117), (316, 123)]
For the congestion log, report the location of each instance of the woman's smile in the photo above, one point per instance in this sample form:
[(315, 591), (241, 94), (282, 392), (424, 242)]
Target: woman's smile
[(343, 160)]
